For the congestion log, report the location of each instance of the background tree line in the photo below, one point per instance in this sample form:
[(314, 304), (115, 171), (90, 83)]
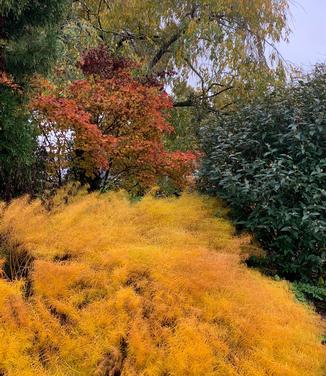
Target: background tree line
[(218, 45)]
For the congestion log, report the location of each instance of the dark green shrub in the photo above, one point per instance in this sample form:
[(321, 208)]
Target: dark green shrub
[(305, 291), (267, 159)]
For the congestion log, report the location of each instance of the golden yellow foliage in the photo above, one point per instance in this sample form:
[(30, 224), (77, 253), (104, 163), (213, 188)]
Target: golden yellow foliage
[(150, 288)]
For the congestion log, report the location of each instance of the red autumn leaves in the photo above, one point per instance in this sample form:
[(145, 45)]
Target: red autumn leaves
[(111, 124)]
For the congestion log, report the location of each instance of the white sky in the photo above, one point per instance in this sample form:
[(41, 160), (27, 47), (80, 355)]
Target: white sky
[(308, 39)]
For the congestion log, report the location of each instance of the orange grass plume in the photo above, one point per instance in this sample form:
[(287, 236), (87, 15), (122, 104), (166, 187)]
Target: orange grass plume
[(157, 287)]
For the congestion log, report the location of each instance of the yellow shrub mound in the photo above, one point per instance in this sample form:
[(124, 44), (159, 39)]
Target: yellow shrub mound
[(149, 288)]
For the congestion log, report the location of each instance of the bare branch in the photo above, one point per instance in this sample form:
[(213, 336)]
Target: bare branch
[(186, 103), (165, 47), (219, 92), (197, 73), (168, 43)]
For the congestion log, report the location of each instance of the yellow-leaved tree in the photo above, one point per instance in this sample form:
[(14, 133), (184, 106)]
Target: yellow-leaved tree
[(221, 44)]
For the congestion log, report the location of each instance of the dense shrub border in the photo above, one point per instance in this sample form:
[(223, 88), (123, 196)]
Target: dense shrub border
[(267, 159)]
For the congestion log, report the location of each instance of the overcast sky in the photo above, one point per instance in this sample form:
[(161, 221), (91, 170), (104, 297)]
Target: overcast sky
[(308, 39)]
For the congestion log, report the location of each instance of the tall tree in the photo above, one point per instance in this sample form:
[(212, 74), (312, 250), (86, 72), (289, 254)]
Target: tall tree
[(219, 44), (29, 34), (28, 38)]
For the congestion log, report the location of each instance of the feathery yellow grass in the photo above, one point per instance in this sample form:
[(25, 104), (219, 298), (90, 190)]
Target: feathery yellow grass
[(149, 288)]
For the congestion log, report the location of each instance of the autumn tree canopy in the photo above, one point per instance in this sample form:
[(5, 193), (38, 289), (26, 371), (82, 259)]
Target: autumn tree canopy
[(108, 128), (221, 45)]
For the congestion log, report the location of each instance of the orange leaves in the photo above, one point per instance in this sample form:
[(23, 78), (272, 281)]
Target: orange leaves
[(62, 111), (134, 111), (179, 165), (112, 122), (6, 81), (61, 123), (119, 106)]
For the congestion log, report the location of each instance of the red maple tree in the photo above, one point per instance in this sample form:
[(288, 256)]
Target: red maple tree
[(110, 126)]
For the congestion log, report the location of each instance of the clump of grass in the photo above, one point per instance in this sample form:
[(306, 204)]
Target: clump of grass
[(154, 287)]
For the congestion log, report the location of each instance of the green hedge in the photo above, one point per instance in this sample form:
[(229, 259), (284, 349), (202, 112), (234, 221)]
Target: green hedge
[(267, 159)]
